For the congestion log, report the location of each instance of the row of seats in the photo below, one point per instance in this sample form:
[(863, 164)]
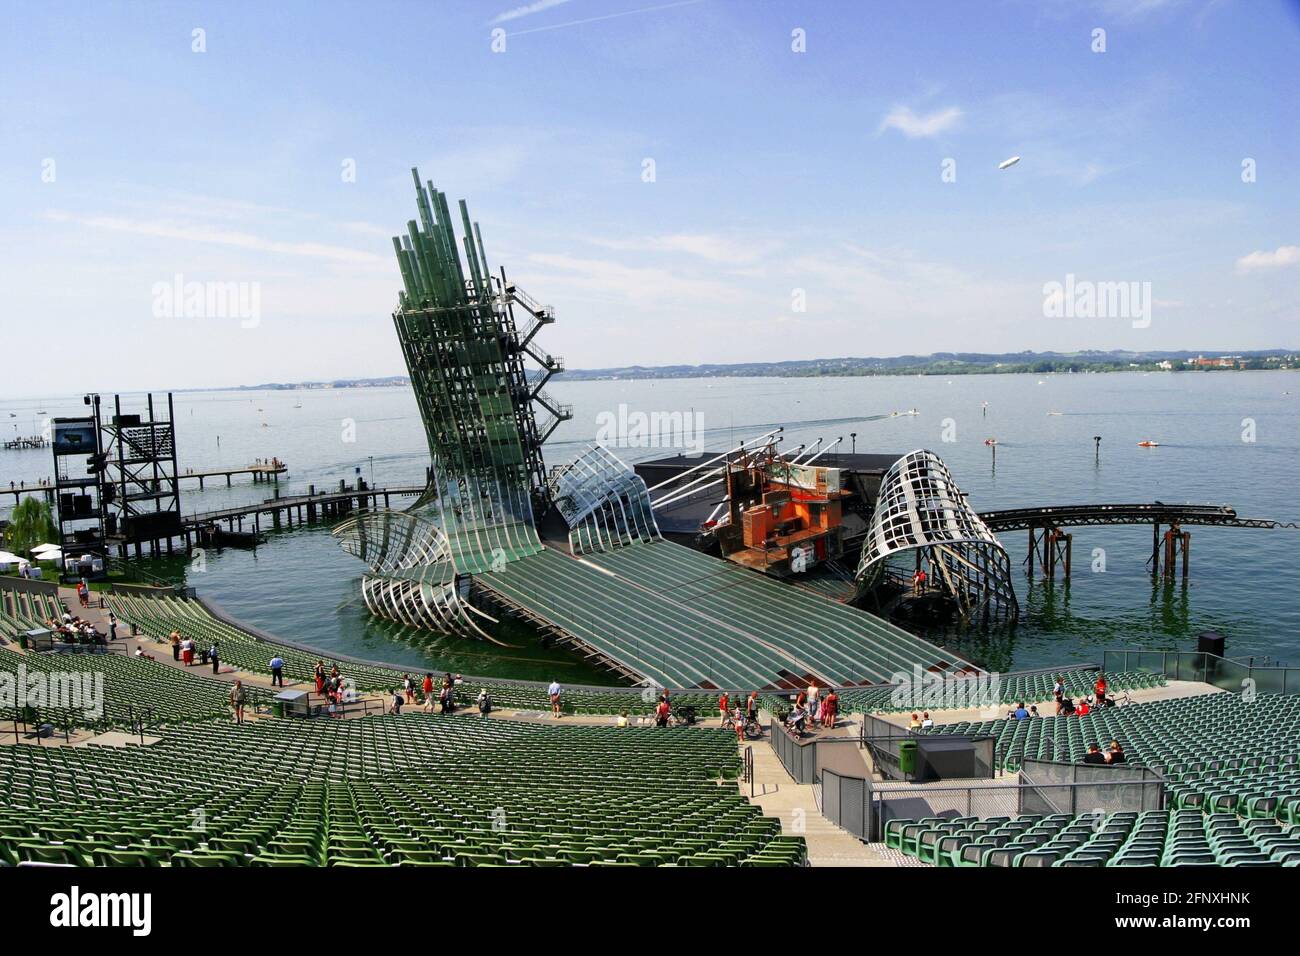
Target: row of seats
[(1121, 839), (22, 611), (157, 617), (1010, 689), (63, 689), (386, 790)]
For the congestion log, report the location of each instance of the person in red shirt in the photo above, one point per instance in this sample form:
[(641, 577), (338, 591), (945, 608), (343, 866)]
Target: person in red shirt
[(829, 708), (722, 707), (662, 712), (1100, 688), (1082, 709)]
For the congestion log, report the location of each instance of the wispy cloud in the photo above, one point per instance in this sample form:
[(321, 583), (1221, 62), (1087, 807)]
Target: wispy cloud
[(710, 247), (915, 125), (1279, 258), (527, 10), (162, 229)]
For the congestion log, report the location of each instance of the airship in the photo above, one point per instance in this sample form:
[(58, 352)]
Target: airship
[(1008, 162)]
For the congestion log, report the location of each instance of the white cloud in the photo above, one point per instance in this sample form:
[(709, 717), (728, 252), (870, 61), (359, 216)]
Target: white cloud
[(913, 125), (1279, 258), (527, 10), (712, 248), (221, 237)]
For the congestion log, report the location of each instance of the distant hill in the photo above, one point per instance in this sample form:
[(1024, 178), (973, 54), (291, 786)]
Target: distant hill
[(939, 363)]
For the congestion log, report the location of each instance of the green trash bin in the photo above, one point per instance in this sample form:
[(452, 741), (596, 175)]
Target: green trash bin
[(277, 708), (907, 757)]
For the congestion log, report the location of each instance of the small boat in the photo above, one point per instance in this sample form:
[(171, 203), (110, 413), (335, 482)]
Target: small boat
[(297, 405), (1054, 413), (1148, 444), (990, 441)]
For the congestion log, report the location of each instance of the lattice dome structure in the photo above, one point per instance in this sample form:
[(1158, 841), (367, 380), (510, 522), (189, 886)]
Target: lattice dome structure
[(922, 513)]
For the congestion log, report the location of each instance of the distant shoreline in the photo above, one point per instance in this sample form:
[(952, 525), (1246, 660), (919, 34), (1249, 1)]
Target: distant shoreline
[(947, 364)]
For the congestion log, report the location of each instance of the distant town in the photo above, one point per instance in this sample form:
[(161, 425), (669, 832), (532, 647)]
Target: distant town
[(940, 363)]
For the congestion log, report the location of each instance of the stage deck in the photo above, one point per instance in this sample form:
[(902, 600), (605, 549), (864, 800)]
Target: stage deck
[(662, 612)]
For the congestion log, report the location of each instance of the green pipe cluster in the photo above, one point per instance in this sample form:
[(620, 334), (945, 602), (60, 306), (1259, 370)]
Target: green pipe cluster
[(430, 257)]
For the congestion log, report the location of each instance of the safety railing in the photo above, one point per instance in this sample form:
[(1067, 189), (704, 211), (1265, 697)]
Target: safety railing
[(1222, 672)]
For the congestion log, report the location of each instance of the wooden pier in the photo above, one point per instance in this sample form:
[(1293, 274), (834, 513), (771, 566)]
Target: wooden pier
[(273, 513), (37, 441), (261, 471)]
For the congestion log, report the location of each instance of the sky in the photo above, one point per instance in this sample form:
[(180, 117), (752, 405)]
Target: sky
[(688, 182)]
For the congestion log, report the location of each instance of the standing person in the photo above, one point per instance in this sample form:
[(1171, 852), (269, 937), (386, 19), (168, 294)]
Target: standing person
[(553, 692), (112, 626), (408, 687), (238, 697), (723, 710), (484, 702), (830, 708), (1058, 691), (320, 677), (214, 657), (661, 712), (918, 581), (187, 651), (277, 671), (814, 693), (751, 706), (175, 638), (398, 700), (427, 687), (1100, 688)]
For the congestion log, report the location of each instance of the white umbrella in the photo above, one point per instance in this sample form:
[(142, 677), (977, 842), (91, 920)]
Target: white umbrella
[(7, 558), (42, 548)]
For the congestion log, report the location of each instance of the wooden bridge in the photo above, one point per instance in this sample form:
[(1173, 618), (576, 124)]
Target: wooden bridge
[(1050, 545)]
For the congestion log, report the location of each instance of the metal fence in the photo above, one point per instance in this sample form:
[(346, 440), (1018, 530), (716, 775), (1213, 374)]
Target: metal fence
[(846, 802), (1222, 672), (1090, 787), (798, 759)]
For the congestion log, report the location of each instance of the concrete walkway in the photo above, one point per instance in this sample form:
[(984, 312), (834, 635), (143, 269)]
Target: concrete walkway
[(795, 805)]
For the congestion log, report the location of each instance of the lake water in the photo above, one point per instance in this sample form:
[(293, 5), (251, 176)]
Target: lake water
[(1243, 582)]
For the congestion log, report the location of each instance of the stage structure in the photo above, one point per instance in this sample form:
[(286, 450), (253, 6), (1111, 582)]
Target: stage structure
[(603, 501), (141, 489), (922, 514)]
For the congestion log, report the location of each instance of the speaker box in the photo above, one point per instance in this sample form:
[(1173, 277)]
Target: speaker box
[(1211, 642)]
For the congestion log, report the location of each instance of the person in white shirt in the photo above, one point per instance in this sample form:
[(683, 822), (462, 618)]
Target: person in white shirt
[(553, 692)]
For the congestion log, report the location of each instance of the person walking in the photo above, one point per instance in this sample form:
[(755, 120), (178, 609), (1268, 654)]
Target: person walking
[(484, 702), (187, 651), (553, 692), (112, 626), (238, 697), (277, 671), (427, 688), (214, 657), (408, 688), (175, 638)]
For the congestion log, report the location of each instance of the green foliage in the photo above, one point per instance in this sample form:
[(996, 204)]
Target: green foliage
[(30, 524)]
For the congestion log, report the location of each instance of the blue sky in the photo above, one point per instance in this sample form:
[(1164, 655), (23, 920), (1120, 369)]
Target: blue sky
[(128, 158)]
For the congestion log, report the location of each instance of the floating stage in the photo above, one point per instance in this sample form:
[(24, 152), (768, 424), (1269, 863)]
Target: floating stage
[(661, 612)]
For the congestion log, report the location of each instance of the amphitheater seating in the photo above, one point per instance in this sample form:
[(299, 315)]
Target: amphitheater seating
[(25, 610), (1131, 838), (381, 791), (1011, 688), (133, 690), (158, 616)]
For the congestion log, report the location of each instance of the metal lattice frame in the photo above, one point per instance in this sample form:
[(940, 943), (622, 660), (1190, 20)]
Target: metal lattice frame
[(603, 501), (413, 577), (921, 509), (462, 350)]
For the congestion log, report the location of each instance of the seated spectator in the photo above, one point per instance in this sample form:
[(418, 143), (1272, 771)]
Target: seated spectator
[(1082, 709), (1094, 755), (913, 724), (1065, 707), (622, 720), (926, 721), (1033, 710), (1020, 713), (1115, 753)]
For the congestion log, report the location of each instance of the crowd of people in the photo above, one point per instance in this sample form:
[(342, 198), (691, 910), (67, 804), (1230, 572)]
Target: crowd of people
[(76, 630), (813, 708)]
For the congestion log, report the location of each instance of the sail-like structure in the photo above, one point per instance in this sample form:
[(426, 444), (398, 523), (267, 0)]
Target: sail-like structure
[(413, 577), (922, 514), (603, 501)]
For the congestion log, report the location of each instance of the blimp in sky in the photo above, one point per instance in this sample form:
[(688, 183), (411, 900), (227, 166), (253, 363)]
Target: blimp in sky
[(1008, 162)]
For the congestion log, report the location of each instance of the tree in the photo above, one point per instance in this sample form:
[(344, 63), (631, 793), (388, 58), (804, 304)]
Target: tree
[(30, 524)]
